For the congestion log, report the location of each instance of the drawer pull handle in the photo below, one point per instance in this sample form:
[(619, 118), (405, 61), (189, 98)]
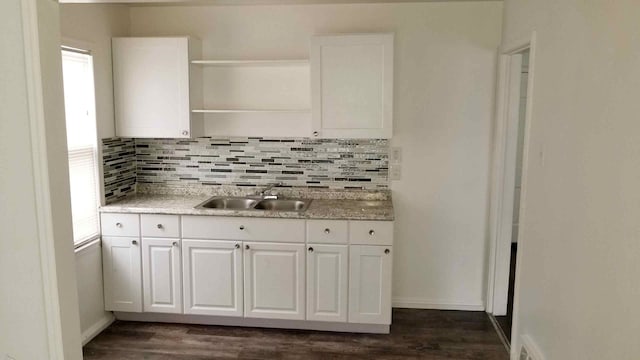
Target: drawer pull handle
[(241, 227), (175, 243), (386, 251), (310, 249), (247, 247), (134, 242), (327, 231), (237, 246), (159, 226), (371, 232), (118, 225)]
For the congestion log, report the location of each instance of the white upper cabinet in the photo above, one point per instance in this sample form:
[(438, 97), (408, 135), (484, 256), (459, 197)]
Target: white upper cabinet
[(155, 88), (352, 86)]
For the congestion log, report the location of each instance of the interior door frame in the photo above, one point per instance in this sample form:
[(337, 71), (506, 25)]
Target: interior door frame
[(500, 241)]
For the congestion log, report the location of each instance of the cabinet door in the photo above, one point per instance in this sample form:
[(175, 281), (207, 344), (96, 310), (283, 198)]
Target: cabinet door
[(151, 87), (274, 283), (122, 274), (370, 284), (212, 277), (352, 86), (161, 275), (327, 276)]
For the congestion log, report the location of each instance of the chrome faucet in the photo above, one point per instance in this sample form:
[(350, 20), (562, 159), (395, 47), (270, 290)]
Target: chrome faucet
[(267, 189)]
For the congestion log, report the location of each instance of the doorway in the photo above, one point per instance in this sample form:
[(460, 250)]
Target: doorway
[(509, 162)]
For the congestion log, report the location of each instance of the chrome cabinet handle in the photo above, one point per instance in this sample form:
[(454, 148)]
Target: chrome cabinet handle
[(327, 231), (310, 249), (386, 251), (185, 132), (134, 242), (315, 133), (237, 246), (159, 226), (247, 247), (371, 232), (175, 243), (118, 225), (241, 227)]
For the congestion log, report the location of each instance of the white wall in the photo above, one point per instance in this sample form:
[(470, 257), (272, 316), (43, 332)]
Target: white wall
[(38, 306), (445, 56), (91, 27), (579, 291)]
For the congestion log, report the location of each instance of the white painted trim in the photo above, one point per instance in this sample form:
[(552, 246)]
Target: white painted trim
[(418, 303), (42, 191), (498, 171), (532, 348), (254, 322), (522, 243), (97, 328)]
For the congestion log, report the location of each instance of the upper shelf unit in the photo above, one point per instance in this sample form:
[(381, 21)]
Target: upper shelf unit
[(255, 62)]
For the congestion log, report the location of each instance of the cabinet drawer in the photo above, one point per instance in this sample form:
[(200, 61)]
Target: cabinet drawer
[(238, 228), (120, 224), (327, 231), (371, 232), (160, 226)]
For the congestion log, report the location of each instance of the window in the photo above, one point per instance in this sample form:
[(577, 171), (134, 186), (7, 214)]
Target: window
[(79, 103)]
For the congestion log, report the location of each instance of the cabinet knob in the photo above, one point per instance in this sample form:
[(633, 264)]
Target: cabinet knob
[(118, 225), (371, 232), (386, 251), (237, 246), (310, 249), (185, 132), (134, 242), (241, 227), (327, 231), (159, 226), (175, 243), (315, 133), (247, 247)]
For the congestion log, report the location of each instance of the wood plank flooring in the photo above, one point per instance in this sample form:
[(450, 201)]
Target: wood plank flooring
[(415, 334)]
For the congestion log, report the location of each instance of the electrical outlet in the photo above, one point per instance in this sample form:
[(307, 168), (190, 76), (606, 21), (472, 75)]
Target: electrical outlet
[(395, 172), (396, 155)]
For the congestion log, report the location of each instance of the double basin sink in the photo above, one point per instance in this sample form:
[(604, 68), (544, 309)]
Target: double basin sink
[(254, 203)]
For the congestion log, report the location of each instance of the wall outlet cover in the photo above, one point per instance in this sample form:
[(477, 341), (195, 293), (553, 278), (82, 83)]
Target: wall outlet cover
[(396, 155), (395, 172)]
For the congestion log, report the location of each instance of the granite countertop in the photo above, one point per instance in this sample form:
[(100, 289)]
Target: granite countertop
[(324, 205)]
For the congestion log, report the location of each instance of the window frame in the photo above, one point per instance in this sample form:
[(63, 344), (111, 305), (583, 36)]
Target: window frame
[(86, 48)]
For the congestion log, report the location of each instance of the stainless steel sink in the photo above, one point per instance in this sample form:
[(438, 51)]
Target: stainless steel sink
[(229, 203), (254, 203), (283, 205)]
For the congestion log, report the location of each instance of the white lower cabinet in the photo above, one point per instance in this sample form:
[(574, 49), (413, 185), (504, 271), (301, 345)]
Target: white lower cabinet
[(370, 284), (161, 275), (212, 277), (122, 273), (284, 269), (327, 280), (274, 282)]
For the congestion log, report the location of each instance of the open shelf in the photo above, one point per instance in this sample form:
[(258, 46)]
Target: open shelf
[(251, 62), (230, 111)]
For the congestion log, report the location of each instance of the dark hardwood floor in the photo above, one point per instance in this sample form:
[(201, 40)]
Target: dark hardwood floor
[(505, 322), (415, 334)]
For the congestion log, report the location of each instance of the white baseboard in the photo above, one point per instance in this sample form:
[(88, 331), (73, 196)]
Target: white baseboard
[(97, 328), (419, 303), (254, 322)]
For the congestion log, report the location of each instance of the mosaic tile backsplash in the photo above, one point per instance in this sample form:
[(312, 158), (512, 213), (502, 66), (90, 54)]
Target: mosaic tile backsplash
[(119, 165), (255, 161)]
